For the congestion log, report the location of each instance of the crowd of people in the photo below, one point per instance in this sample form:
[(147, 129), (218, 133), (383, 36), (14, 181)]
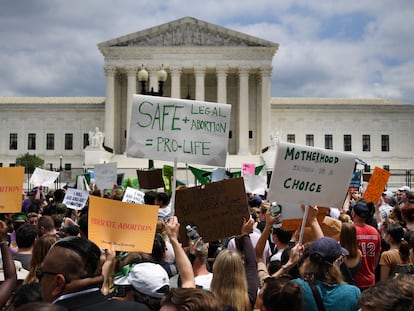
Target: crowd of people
[(48, 262)]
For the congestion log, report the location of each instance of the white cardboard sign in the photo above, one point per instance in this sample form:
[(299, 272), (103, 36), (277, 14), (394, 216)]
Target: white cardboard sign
[(256, 184), (190, 131), (41, 177), (308, 175), (75, 198), (132, 195), (105, 175)]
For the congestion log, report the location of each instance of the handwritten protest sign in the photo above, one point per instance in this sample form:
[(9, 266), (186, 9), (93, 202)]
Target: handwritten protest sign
[(191, 131), (11, 188), (376, 185), (127, 226), (132, 195), (75, 198), (105, 175), (217, 209), (41, 177), (308, 175)]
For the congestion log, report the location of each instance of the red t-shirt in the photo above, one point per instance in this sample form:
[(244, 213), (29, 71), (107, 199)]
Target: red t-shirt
[(369, 242)]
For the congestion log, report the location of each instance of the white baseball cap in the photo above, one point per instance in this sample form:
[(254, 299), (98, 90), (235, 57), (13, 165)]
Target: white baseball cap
[(404, 188), (147, 278)]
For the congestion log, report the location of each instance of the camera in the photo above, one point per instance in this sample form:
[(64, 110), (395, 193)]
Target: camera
[(275, 209)]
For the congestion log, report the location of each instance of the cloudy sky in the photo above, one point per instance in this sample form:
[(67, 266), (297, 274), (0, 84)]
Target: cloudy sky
[(328, 48)]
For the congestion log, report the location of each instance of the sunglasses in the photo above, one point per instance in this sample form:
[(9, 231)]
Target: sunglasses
[(40, 273)]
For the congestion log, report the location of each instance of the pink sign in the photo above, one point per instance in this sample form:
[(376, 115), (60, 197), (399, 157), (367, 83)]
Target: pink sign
[(248, 168)]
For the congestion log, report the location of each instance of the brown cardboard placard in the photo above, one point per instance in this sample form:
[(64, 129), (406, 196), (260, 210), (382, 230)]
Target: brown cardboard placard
[(151, 179), (217, 209)]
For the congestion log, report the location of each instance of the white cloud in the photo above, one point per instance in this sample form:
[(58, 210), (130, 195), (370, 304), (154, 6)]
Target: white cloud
[(49, 48)]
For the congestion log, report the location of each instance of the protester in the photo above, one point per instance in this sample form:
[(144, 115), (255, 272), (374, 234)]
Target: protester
[(189, 299), (235, 282), (25, 239), (399, 252), (40, 249), (369, 242), (352, 261), (281, 294), (145, 282), (389, 295), (75, 282)]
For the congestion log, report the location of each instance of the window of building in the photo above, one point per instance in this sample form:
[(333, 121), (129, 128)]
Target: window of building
[(50, 141), (309, 140), (68, 166), (347, 142), (385, 143), (291, 138), (85, 140), (366, 143), (13, 141), (68, 141), (31, 141), (328, 141)]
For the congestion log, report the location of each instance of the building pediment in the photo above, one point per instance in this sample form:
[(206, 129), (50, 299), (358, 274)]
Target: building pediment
[(187, 32)]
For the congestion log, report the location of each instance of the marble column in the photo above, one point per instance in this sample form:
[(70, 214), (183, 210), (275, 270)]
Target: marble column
[(243, 111), (110, 72), (266, 111), (221, 72), (199, 72), (131, 90), (175, 73)]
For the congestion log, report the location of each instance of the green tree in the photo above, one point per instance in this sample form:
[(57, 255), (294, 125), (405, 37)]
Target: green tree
[(29, 161)]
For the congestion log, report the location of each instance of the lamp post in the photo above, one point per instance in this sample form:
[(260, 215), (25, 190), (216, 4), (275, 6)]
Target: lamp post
[(60, 163), (60, 170), (143, 78)]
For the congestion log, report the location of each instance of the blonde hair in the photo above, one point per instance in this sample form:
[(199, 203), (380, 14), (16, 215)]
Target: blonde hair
[(229, 283), (40, 249)]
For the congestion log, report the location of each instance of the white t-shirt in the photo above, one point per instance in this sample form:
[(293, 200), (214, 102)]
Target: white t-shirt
[(204, 280)]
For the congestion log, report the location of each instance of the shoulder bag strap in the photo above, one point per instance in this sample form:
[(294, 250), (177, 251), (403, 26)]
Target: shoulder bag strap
[(317, 297)]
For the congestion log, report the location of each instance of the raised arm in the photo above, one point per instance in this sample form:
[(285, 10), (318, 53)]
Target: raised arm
[(10, 278), (183, 263)]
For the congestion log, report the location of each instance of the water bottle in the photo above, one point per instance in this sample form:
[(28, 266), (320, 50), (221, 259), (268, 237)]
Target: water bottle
[(194, 236)]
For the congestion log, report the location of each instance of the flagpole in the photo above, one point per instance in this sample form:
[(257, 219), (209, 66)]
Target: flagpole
[(302, 229), (174, 187)]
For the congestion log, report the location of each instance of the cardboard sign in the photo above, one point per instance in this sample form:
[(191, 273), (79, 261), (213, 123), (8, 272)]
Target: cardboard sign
[(11, 189), (151, 179), (248, 168), (76, 198), (308, 175), (376, 185), (41, 177), (126, 226), (168, 128), (132, 195), (105, 175), (256, 184), (355, 183), (217, 209)]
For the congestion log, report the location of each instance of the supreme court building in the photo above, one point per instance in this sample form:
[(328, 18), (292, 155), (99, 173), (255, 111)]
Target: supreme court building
[(203, 62)]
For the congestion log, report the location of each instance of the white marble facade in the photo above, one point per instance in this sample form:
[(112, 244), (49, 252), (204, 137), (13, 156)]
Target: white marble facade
[(211, 63)]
